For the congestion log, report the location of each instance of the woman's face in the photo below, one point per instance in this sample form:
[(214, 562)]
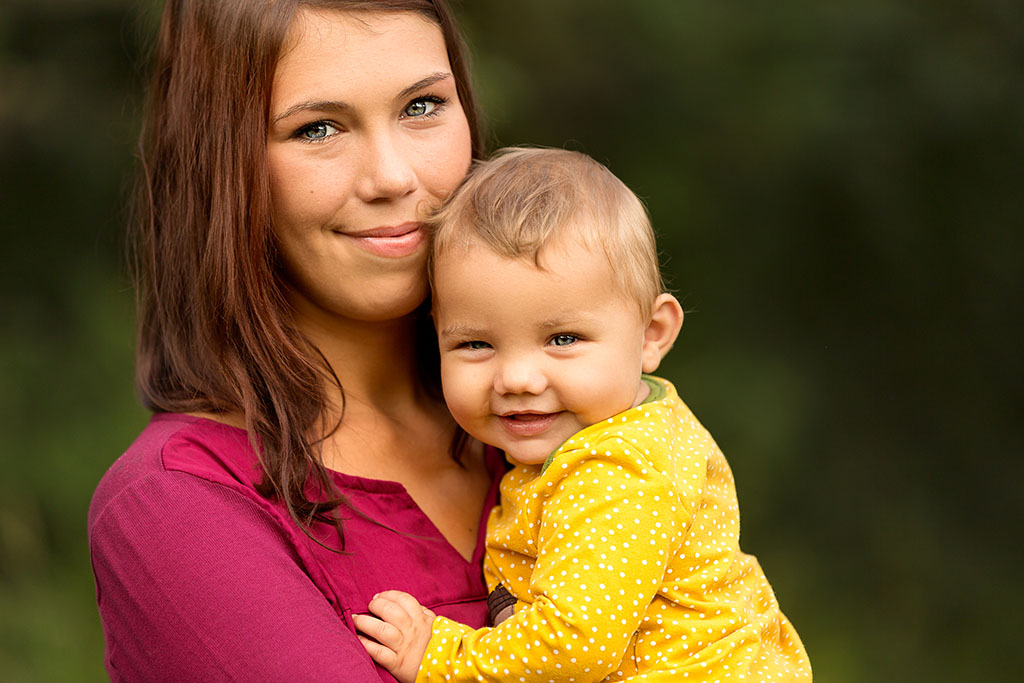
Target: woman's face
[(366, 136)]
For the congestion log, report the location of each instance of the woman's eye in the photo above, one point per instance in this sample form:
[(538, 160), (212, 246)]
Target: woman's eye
[(423, 107), (316, 132), (564, 339)]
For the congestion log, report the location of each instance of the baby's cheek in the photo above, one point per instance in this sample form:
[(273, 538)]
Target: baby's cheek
[(469, 408), (458, 408), (605, 394), (455, 384)]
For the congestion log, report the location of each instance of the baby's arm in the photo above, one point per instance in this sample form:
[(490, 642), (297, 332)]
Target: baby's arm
[(607, 530), (400, 634)]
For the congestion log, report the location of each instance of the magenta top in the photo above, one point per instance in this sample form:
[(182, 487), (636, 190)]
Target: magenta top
[(199, 578)]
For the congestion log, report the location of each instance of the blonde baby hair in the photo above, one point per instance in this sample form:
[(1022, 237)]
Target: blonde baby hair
[(524, 198)]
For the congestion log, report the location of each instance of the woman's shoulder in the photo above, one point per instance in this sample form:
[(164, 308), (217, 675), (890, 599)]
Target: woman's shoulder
[(185, 551), (173, 446)]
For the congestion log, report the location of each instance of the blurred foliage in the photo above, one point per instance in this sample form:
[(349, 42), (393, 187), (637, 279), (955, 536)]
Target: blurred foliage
[(837, 190)]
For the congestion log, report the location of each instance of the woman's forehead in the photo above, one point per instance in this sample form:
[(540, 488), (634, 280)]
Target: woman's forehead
[(320, 28), (354, 51)]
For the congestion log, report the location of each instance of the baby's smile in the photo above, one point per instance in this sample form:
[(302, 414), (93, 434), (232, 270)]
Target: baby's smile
[(527, 423)]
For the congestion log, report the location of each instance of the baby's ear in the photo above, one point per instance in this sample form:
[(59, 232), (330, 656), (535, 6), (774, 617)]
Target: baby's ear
[(661, 332)]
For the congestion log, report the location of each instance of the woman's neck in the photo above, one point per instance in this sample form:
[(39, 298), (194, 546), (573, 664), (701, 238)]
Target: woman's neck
[(375, 361), (391, 426)]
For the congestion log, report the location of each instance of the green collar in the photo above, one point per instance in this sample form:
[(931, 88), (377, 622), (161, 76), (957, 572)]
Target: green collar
[(658, 390)]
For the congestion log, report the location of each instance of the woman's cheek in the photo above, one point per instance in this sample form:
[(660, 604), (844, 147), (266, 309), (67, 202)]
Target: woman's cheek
[(453, 156)]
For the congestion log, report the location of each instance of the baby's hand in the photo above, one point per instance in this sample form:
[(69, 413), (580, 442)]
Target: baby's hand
[(400, 635)]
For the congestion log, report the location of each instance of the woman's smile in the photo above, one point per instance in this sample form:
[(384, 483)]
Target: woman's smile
[(390, 241)]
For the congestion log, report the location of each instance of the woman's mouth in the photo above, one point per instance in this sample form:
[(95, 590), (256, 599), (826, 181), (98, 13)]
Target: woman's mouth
[(391, 241)]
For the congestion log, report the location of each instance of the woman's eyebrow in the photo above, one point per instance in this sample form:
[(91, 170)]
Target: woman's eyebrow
[(312, 105), (335, 106), (424, 83)]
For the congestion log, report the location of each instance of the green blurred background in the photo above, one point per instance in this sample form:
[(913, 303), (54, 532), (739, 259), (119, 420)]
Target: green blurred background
[(837, 187)]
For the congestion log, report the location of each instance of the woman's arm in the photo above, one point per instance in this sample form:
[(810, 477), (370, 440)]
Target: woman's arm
[(196, 582)]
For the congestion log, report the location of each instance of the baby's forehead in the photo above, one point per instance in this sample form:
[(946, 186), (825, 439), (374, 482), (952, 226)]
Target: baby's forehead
[(515, 244), (552, 256), (558, 256)]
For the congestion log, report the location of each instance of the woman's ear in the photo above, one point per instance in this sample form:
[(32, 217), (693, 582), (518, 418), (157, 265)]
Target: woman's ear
[(661, 332)]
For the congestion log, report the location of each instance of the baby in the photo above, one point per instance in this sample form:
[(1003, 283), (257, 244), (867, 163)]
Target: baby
[(615, 550)]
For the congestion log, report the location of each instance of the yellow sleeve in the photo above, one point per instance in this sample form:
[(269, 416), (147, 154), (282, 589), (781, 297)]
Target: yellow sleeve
[(606, 531)]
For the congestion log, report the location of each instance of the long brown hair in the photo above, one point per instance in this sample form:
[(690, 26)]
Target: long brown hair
[(214, 330)]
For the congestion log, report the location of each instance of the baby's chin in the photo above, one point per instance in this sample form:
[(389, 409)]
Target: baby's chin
[(528, 458)]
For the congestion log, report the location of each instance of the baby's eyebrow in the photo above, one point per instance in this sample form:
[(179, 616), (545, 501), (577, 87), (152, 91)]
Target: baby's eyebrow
[(460, 330), (568, 320)]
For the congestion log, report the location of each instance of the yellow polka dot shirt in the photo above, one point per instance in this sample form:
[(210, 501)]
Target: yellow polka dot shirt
[(623, 553)]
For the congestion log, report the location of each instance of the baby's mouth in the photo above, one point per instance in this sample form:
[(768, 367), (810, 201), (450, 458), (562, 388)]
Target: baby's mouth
[(527, 424)]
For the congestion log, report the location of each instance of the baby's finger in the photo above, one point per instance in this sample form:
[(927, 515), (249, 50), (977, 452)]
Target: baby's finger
[(395, 607), (408, 603), (381, 631), (384, 656)]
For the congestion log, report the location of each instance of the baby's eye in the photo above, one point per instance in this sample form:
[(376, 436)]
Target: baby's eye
[(564, 339), (475, 345), (316, 132)]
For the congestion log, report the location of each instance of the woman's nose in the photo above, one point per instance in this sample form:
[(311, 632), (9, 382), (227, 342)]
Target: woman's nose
[(387, 171), (519, 376)]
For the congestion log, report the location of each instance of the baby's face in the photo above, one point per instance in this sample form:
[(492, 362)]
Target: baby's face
[(528, 356)]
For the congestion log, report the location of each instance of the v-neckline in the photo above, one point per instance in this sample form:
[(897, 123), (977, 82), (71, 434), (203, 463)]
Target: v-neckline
[(496, 465)]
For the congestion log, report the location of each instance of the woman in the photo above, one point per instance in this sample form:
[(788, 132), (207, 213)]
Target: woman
[(299, 459)]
